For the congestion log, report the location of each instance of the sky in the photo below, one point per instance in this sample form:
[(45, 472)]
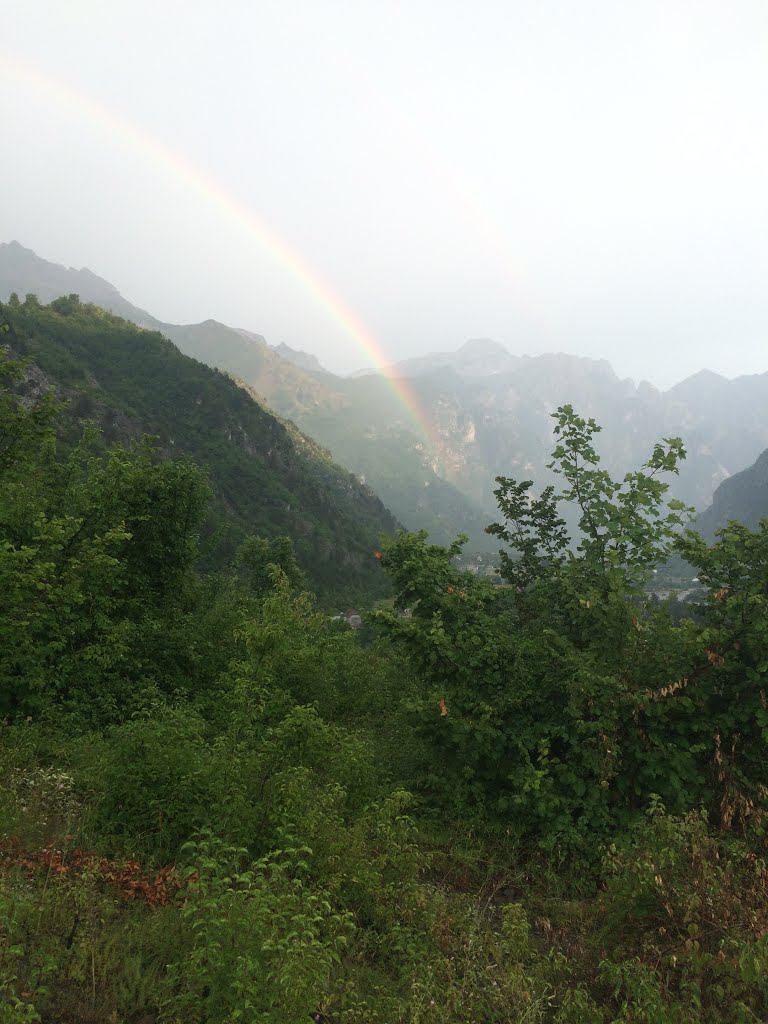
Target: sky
[(369, 181)]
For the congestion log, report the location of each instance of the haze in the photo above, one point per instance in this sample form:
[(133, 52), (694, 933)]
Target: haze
[(583, 177)]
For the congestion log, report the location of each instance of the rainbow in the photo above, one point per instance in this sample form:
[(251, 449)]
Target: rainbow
[(127, 133)]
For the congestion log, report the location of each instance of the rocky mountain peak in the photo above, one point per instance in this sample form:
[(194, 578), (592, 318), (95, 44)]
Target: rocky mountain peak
[(304, 360)]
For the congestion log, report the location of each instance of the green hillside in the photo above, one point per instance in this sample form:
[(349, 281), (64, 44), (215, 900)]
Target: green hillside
[(267, 478)]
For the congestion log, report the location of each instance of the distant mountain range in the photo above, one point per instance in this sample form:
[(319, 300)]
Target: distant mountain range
[(490, 409)]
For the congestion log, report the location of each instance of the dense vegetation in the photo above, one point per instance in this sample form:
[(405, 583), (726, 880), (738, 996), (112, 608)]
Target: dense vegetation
[(265, 476), (539, 802)]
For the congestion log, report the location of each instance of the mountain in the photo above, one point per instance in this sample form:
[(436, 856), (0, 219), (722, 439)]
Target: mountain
[(364, 427), (267, 477), (489, 421), (743, 497), (23, 271), (479, 357), (489, 412), (217, 345)]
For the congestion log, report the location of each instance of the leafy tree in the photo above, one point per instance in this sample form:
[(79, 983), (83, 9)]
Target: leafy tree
[(624, 527), (66, 305), (539, 695)]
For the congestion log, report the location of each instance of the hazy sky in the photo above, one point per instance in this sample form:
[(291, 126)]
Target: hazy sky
[(588, 176)]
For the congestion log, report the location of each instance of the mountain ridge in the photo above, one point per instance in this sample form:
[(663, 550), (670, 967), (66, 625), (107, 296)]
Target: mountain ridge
[(490, 411)]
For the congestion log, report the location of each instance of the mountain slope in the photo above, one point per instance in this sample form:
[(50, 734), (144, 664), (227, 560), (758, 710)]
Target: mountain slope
[(743, 497), (304, 360), (267, 477)]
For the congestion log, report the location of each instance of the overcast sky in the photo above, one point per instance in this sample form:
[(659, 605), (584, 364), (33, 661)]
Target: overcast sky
[(588, 176)]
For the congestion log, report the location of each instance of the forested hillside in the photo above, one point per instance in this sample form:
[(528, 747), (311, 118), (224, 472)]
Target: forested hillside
[(266, 477), (541, 802)]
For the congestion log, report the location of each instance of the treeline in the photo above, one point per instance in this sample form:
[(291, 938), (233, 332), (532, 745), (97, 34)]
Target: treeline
[(539, 802)]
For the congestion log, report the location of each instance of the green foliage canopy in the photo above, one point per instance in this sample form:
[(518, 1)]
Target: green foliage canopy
[(560, 702)]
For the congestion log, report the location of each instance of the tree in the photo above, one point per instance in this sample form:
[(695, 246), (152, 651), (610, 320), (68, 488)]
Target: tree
[(66, 305), (623, 526), (624, 529), (539, 696), (257, 560)]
